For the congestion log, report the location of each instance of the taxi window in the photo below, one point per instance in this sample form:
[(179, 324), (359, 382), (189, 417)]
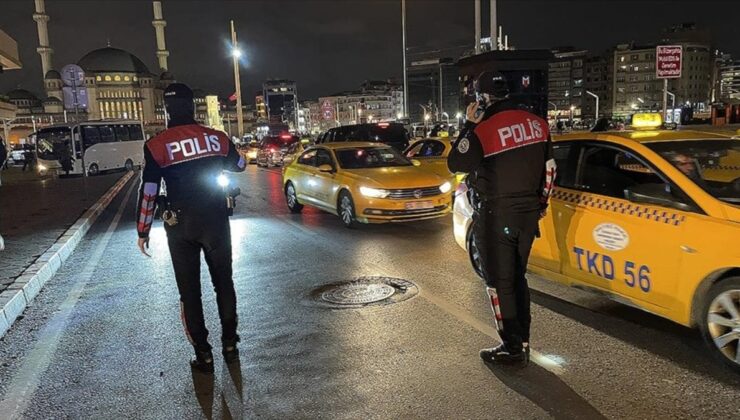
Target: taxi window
[(308, 158), (566, 158), (431, 148), (323, 158), (609, 171), (620, 173)]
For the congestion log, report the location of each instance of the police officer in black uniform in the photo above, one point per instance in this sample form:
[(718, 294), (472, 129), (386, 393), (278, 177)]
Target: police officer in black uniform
[(190, 158), (506, 151)]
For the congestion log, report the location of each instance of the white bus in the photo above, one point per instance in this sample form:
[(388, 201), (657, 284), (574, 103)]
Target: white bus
[(107, 145)]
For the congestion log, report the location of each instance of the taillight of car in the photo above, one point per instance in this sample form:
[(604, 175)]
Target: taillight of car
[(461, 189)]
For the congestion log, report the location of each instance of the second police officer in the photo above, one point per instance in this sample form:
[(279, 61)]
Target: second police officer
[(190, 159), (506, 151)]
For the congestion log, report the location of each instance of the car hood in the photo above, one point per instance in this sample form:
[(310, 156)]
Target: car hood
[(397, 177)]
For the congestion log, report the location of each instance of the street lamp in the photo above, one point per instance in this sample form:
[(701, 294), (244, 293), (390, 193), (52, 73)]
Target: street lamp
[(399, 115), (597, 102), (427, 117), (235, 54)]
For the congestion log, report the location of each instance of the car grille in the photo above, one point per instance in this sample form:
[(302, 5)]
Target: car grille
[(419, 212), (414, 193)]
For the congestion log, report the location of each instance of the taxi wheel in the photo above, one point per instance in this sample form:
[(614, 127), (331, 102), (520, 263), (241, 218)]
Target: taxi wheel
[(346, 209), (292, 199), (129, 165), (94, 170), (720, 323)]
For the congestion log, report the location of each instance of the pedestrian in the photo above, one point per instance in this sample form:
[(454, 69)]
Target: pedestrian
[(28, 158), (190, 158), (506, 152)]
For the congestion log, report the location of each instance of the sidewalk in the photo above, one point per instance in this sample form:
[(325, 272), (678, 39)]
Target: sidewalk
[(35, 211)]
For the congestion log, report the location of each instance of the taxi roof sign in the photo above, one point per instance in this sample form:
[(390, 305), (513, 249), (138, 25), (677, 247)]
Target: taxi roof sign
[(650, 120)]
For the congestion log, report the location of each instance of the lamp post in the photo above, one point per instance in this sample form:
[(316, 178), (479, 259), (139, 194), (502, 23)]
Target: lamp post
[(673, 106), (597, 103), (235, 54), (447, 117), (405, 76)]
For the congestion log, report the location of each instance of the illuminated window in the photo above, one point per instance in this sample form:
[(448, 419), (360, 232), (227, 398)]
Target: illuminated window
[(108, 78), (99, 79), (117, 78), (126, 78), (136, 78)]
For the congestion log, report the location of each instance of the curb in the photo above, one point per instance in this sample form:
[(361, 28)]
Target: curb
[(15, 299)]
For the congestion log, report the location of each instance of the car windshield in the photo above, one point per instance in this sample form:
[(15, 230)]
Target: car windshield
[(714, 165), (370, 157)]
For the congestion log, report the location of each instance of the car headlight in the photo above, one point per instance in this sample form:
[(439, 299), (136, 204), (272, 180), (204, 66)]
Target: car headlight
[(373, 192), (223, 180), (445, 188)]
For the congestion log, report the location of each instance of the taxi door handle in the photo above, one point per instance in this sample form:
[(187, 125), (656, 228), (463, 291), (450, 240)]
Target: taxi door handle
[(688, 249)]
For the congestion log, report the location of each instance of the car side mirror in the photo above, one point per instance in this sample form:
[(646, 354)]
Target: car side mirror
[(655, 195), (415, 162), (326, 168)]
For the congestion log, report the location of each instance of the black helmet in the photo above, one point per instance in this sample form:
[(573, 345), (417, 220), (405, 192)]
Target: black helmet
[(178, 100), (493, 83)]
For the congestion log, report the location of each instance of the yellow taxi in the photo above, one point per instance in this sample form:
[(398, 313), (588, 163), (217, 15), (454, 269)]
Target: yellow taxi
[(432, 155), (366, 183), (649, 217)]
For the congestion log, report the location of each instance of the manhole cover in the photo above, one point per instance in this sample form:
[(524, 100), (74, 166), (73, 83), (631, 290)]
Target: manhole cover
[(364, 291), (358, 293)]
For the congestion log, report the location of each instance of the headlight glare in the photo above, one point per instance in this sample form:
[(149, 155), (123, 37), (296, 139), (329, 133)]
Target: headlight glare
[(445, 188), (373, 192)]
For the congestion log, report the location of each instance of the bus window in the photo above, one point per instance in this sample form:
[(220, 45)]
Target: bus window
[(122, 133), (91, 135), (135, 132), (106, 134)]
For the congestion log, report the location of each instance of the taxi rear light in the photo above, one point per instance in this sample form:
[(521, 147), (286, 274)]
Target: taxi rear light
[(383, 125), (286, 136)]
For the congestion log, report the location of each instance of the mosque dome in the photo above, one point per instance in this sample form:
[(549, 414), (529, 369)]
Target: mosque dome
[(52, 75), (111, 60)]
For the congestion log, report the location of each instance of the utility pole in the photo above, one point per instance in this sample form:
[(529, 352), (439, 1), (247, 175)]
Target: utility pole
[(665, 98), (494, 25), (235, 54), (405, 75), (477, 26)]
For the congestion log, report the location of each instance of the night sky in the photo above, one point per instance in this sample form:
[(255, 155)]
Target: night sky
[(332, 45)]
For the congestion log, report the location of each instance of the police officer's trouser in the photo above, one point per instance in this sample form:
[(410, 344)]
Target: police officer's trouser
[(504, 240), (209, 232)]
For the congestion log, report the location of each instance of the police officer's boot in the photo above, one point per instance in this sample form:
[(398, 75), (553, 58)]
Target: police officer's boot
[(203, 361), (230, 352), (502, 355)]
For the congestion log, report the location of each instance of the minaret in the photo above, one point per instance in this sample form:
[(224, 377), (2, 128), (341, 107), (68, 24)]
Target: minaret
[(159, 24), (43, 49)]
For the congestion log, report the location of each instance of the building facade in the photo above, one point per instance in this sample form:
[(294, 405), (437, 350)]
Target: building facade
[(281, 101), (433, 88), (565, 81)]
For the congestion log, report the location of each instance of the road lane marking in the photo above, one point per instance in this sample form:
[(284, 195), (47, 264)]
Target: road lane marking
[(487, 329), (27, 377)]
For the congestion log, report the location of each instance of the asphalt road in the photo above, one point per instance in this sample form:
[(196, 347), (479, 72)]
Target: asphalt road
[(104, 339)]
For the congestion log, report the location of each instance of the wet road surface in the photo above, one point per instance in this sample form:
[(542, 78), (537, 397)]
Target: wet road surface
[(104, 339)]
